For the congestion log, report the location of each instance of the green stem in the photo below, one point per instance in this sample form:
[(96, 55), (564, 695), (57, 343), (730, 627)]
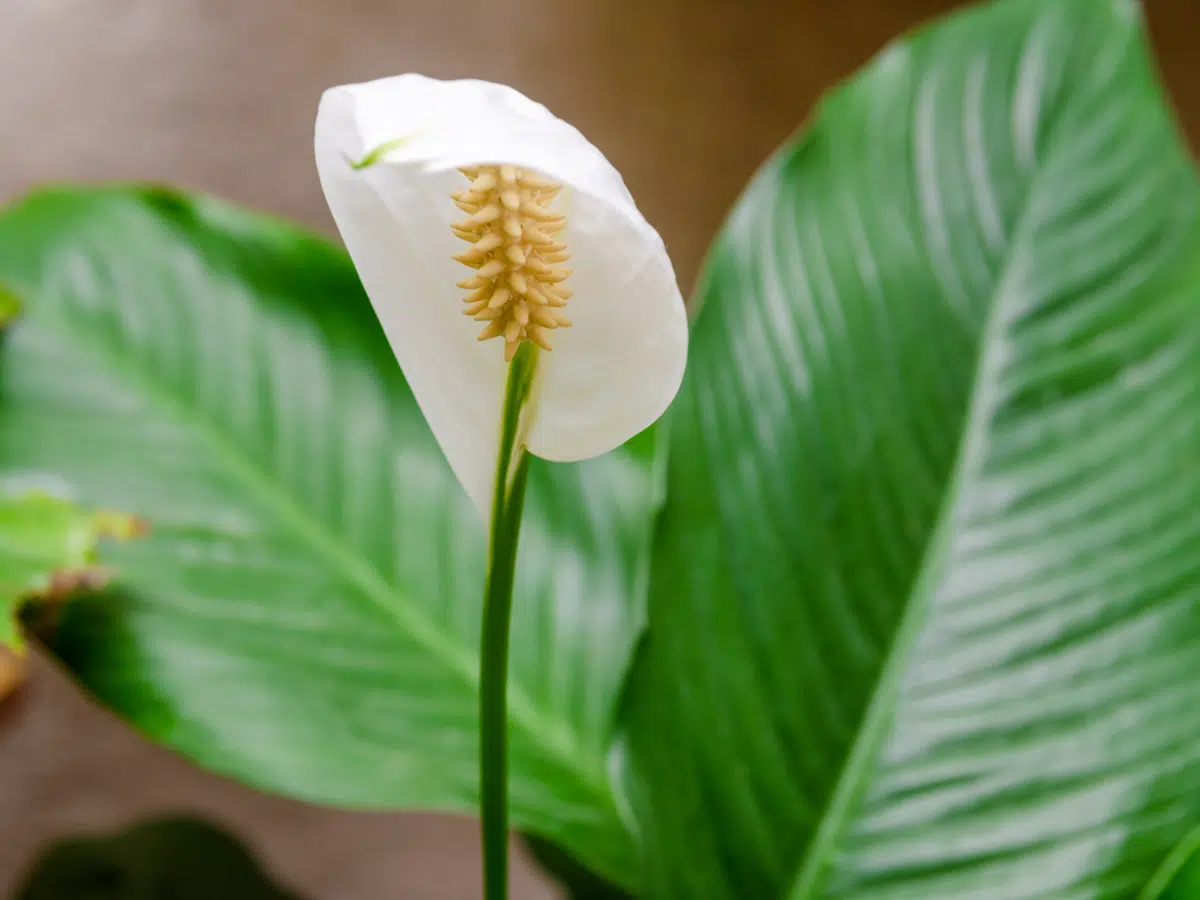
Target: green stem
[(512, 469)]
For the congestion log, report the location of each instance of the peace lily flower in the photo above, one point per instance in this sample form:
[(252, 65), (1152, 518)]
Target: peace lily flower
[(478, 221)]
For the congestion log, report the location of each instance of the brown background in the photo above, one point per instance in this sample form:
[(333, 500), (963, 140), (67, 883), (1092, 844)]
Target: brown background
[(685, 96)]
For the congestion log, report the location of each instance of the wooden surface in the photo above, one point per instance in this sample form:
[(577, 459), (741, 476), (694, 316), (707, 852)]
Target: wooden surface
[(685, 96)]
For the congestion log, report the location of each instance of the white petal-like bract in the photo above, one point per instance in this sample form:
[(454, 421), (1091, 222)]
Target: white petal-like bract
[(609, 376)]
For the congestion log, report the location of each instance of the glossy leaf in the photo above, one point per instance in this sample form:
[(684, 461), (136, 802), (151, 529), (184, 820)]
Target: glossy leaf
[(925, 600), (304, 614), (1178, 878)]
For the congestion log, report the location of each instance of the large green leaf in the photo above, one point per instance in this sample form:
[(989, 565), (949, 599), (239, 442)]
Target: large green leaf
[(1178, 878), (925, 601), (304, 614)]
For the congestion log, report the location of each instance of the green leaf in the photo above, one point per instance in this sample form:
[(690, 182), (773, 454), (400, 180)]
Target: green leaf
[(176, 858), (305, 613), (925, 600), (1178, 878), (1186, 885), (10, 307), (47, 549), (576, 881)]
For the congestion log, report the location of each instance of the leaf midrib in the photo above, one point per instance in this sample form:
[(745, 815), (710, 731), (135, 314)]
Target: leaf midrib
[(876, 717), (554, 735)]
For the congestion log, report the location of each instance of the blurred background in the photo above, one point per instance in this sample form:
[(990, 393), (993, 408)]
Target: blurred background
[(686, 97)]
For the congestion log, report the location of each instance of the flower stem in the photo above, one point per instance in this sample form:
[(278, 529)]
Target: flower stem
[(512, 468)]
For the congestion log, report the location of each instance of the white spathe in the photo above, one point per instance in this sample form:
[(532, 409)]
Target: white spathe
[(609, 376)]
